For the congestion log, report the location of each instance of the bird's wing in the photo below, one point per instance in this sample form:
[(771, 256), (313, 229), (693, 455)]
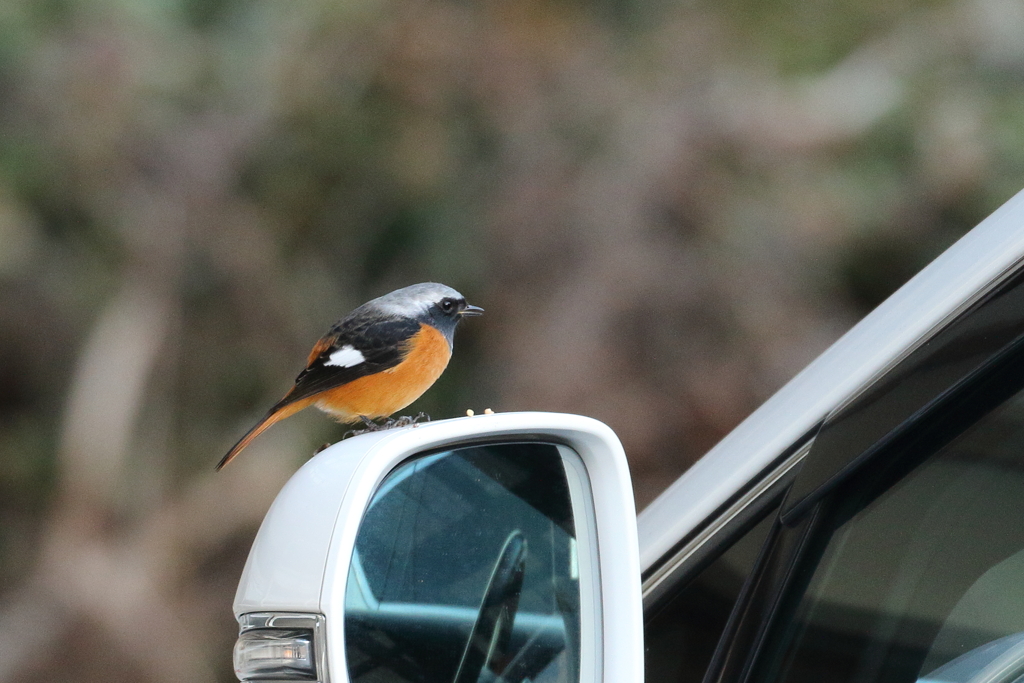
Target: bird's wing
[(356, 347)]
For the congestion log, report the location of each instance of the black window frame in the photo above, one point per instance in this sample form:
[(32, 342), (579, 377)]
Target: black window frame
[(759, 500), (958, 375), (729, 522)]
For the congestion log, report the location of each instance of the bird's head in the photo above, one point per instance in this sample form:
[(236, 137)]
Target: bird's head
[(429, 302)]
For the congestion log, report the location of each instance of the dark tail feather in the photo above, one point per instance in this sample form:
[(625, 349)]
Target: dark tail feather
[(283, 409)]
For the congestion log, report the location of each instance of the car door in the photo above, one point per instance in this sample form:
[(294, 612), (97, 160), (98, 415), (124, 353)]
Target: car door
[(886, 545)]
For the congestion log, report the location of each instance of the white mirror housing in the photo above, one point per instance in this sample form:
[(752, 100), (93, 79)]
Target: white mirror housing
[(301, 561)]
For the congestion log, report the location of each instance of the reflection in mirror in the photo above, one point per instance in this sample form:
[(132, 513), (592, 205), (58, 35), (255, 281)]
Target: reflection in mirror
[(465, 570)]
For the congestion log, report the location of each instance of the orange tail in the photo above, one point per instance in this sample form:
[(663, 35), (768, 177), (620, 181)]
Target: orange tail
[(275, 414)]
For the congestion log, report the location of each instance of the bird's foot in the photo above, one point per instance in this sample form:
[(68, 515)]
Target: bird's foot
[(390, 423), (405, 420), (322, 448), (371, 426)]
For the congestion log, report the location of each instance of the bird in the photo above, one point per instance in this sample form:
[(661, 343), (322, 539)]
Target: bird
[(375, 361)]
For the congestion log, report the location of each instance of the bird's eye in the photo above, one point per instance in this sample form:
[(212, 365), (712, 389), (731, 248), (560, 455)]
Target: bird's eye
[(447, 305)]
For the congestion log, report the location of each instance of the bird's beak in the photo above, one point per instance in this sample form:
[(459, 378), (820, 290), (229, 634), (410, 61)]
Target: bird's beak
[(471, 310)]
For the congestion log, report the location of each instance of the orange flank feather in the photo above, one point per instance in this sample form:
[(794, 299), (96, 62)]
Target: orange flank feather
[(387, 392), (321, 346), (276, 414)]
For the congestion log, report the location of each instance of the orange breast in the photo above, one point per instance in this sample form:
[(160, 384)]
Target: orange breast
[(389, 391)]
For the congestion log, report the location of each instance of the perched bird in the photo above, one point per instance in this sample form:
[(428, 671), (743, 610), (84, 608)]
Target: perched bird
[(376, 360)]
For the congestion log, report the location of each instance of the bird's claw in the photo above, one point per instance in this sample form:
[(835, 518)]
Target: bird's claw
[(390, 423), (405, 420)]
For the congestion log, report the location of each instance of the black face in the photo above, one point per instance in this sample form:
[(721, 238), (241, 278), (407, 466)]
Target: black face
[(451, 307), (446, 314)]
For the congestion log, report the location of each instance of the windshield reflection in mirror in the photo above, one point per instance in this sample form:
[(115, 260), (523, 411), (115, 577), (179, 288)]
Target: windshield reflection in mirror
[(465, 570)]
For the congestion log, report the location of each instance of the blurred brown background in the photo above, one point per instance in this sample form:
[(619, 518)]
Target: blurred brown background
[(667, 209)]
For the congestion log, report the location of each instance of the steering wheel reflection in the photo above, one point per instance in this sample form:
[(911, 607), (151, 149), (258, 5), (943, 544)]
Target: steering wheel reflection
[(489, 640)]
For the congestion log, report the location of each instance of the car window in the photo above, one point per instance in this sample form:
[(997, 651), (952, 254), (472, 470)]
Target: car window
[(681, 633), (450, 533), (921, 571)]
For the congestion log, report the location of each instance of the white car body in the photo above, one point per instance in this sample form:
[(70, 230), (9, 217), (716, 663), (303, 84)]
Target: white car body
[(946, 287)]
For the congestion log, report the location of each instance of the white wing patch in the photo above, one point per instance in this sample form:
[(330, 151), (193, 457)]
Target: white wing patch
[(346, 357)]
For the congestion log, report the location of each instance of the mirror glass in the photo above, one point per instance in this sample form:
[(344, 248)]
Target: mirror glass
[(466, 569)]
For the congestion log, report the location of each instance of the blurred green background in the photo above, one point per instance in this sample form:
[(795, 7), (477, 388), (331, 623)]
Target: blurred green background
[(667, 209)]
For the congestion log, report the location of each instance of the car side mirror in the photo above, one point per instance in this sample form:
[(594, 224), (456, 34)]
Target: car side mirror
[(492, 548)]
